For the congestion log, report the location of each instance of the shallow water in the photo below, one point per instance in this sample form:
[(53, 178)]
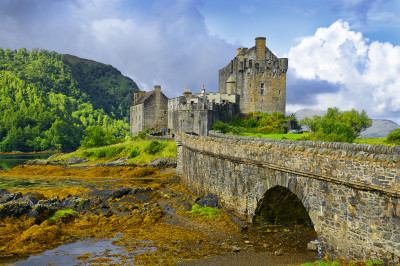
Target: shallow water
[(8, 161), (17, 182), (68, 254)]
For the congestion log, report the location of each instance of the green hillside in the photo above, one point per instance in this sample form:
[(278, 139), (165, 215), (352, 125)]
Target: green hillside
[(48, 99)]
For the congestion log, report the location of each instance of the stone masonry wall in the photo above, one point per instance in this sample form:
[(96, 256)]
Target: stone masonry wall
[(351, 191)]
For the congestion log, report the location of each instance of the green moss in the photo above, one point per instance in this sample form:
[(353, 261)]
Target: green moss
[(61, 213), (204, 211), (374, 262)]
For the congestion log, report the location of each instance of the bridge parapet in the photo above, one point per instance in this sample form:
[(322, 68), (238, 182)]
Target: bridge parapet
[(351, 191)]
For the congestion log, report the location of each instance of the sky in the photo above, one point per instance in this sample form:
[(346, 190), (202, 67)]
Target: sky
[(343, 53)]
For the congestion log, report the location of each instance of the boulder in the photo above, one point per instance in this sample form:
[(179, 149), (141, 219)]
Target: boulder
[(207, 201), (163, 162), (75, 160)]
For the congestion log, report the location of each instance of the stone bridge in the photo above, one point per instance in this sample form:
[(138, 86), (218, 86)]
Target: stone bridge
[(351, 192)]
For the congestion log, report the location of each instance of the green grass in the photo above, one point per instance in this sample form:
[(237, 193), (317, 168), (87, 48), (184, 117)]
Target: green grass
[(204, 211), (374, 141), (292, 136), (61, 213), (140, 151)]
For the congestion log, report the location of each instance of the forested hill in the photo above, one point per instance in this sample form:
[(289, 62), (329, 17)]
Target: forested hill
[(48, 99), (104, 85)]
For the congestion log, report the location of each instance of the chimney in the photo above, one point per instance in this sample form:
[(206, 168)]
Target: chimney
[(238, 51), (157, 89), (260, 48)]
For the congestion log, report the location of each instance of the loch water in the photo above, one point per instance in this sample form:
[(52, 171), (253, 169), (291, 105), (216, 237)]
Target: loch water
[(8, 161)]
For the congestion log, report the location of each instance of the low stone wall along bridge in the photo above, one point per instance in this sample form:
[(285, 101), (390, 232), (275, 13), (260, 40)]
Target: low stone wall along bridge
[(351, 192)]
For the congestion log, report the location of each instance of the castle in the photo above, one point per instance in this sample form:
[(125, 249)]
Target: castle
[(255, 80)]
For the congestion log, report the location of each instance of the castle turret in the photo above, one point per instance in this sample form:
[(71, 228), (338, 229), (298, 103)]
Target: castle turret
[(260, 48)]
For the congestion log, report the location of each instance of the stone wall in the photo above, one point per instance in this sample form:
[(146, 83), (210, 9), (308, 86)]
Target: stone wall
[(350, 191), (259, 77), (136, 119), (198, 114)]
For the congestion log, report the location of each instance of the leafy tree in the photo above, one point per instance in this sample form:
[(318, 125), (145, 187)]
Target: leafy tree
[(394, 136), (337, 125), (96, 136)]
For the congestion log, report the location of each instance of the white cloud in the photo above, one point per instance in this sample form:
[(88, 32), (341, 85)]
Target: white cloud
[(154, 42), (366, 75)]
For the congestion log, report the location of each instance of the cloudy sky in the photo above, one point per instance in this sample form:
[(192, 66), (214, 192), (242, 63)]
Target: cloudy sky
[(343, 53)]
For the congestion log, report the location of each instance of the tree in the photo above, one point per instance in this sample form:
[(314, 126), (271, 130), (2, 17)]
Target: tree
[(394, 136), (96, 136), (337, 125)]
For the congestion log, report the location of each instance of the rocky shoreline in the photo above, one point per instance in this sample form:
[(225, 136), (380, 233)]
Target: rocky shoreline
[(159, 162), (153, 206)]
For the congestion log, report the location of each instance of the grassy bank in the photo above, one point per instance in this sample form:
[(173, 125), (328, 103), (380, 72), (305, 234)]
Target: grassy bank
[(291, 136), (140, 151)]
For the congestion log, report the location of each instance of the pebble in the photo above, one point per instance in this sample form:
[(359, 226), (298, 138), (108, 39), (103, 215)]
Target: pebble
[(236, 249)]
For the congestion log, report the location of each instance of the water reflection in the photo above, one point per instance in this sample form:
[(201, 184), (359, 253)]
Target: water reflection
[(8, 161), (85, 251)]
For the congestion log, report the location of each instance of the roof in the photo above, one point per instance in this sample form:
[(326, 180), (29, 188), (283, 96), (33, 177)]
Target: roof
[(144, 97)]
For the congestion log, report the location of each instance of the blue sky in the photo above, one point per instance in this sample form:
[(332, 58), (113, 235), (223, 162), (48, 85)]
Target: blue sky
[(343, 53)]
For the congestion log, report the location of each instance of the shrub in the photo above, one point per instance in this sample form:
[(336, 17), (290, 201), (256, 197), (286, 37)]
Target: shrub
[(96, 136), (142, 135), (154, 147), (394, 136), (218, 125), (135, 152)]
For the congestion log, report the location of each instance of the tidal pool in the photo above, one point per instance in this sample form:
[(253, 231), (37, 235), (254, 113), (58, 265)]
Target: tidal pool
[(88, 251)]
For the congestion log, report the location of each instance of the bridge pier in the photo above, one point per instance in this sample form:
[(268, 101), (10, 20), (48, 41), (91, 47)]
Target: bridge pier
[(354, 216)]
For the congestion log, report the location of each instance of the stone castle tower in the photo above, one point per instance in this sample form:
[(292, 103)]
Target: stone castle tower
[(258, 76)]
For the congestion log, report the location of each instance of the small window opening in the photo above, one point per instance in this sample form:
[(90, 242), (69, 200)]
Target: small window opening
[(262, 91), (262, 85), (279, 92), (250, 63)]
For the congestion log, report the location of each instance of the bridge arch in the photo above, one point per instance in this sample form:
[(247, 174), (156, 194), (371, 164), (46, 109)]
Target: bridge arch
[(280, 206), (350, 191)]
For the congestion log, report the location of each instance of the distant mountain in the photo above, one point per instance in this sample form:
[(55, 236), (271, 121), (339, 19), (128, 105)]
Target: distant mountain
[(308, 112), (379, 129)]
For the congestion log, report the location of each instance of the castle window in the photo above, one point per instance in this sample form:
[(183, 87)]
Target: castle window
[(165, 112), (279, 92), (262, 91), (250, 63), (191, 115), (192, 102), (262, 85), (257, 65)]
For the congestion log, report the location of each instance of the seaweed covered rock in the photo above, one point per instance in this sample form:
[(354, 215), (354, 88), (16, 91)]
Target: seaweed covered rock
[(208, 201), (163, 162)]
